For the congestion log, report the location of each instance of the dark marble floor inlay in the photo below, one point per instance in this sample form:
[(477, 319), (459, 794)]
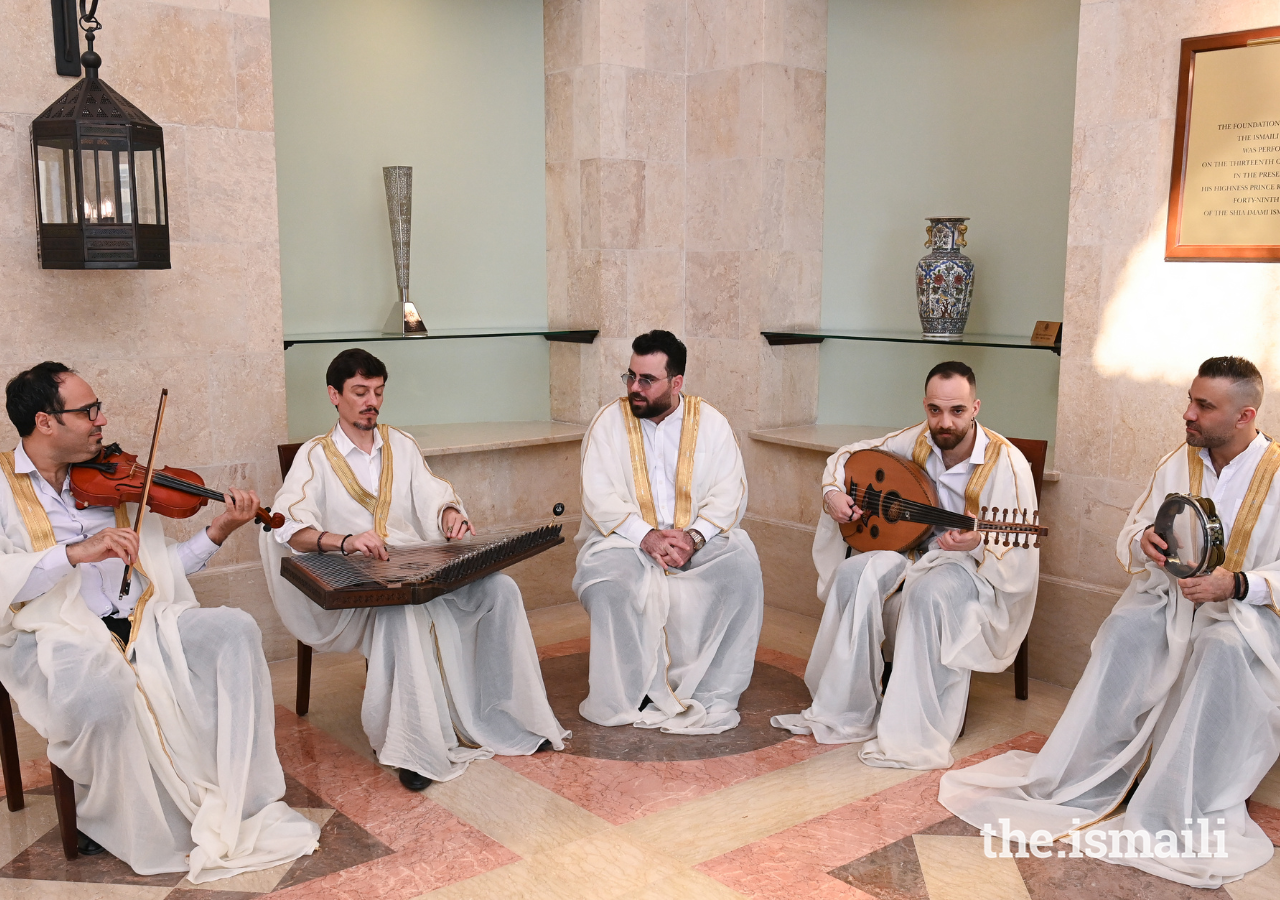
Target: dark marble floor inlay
[(773, 691), (893, 873)]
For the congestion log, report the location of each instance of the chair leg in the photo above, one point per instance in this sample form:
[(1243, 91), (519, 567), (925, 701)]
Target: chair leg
[(304, 679), (9, 763), (1020, 672), (64, 798)]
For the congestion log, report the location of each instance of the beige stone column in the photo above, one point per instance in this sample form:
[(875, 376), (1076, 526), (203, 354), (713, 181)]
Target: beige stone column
[(685, 146)]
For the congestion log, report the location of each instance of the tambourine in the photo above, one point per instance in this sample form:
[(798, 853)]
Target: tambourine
[(1193, 531)]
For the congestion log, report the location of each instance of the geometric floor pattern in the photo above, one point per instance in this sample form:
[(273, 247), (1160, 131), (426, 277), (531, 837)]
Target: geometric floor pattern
[(788, 819)]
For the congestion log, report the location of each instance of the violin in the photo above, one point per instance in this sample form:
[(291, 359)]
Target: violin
[(114, 477)]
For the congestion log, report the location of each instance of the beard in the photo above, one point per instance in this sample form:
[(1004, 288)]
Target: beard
[(1209, 439), (644, 408), (362, 425), (949, 440)]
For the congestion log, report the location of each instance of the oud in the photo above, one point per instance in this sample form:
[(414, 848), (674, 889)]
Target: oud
[(900, 508)]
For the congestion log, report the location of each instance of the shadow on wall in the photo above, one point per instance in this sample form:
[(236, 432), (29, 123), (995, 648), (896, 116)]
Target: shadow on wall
[(1163, 319)]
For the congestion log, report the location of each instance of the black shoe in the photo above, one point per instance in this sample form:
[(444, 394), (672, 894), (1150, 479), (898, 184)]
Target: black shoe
[(87, 845), (545, 745), (413, 781)]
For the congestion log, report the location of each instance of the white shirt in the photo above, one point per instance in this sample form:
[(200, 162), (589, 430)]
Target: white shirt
[(661, 453), (367, 467), (100, 581), (1227, 489)]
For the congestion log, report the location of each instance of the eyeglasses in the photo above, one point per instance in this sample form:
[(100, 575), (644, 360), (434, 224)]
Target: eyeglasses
[(645, 381), (92, 410)]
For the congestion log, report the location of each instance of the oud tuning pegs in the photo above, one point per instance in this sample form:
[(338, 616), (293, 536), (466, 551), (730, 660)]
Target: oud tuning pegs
[(1004, 520), (1036, 521)]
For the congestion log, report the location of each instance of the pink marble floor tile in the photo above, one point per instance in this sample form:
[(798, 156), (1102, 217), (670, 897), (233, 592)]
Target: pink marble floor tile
[(785, 661), (1268, 818), (35, 774), (433, 847), (619, 792), (794, 863)]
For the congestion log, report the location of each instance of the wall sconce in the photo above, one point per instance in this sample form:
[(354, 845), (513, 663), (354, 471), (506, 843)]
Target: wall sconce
[(98, 161)]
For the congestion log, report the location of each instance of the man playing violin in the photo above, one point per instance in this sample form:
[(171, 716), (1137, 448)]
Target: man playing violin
[(1178, 710), (449, 681), (158, 710), (953, 606)]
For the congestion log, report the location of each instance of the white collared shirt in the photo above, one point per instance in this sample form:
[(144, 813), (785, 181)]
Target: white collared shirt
[(100, 581), (662, 453), (1227, 489), (367, 468)]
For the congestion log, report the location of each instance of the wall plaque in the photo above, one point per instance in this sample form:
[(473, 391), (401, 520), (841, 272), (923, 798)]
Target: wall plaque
[(1224, 193)]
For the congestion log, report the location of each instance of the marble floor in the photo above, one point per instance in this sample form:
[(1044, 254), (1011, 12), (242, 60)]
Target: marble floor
[(625, 813)]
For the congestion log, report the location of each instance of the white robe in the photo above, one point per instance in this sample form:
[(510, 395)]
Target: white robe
[(449, 681), (686, 638), (172, 751), (956, 613), (1190, 693)]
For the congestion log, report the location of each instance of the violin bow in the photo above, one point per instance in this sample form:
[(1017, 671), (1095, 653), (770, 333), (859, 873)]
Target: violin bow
[(146, 490)]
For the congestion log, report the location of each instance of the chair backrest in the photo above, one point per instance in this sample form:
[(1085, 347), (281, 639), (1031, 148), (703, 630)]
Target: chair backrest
[(287, 452), (1034, 451)]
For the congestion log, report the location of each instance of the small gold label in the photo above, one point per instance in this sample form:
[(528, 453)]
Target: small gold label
[(1047, 333)]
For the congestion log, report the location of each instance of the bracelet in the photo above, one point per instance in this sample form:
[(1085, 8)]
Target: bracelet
[(319, 538), (343, 545), (1242, 586)]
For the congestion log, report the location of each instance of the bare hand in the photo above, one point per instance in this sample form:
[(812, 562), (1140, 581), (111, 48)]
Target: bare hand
[(455, 526), (1219, 584), (1152, 545), (368, 543), (964, 541), (839, 506), (109, 543), (658, 545), (242, 506), (679, 546)]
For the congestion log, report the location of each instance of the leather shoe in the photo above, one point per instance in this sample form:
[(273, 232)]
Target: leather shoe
[(87, 845), (413, 781)]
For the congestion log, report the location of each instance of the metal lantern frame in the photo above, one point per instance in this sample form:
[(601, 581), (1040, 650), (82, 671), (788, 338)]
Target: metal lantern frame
[(99, 170)]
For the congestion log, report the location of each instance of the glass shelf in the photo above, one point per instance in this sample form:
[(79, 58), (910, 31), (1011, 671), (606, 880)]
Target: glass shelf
[(573, 336), (969, 339)]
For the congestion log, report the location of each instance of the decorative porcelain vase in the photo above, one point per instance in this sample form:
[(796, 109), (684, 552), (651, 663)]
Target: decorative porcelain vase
[(944, 280)]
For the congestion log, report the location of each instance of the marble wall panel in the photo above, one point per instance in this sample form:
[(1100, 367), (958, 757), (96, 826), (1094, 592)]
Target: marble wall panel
[(655, 291), (510, 488), (664, 35), (17, 202), (786, 562), (663, 205), (712, 284), (1068, 615), (653, 133), (254, 108)]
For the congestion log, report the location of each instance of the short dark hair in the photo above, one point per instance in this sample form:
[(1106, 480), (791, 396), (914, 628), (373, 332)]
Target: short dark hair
[(951, 369), (1243, 375), (34, 391), (350, 363), (659, 341)]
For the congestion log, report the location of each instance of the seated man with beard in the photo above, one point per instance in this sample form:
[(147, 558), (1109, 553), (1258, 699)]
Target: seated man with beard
[(671, 583), (952, 606)]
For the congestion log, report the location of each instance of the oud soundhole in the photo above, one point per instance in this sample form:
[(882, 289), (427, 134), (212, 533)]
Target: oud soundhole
[(891, 506), (875, 531), (879, 474), (858, 529)]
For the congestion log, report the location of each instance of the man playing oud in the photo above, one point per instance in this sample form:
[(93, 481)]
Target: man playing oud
[(1178, 710), (449, 681), (671, 583), (954, 606)]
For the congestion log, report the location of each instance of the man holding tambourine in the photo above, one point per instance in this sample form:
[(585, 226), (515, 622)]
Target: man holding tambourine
[(1177, 710)]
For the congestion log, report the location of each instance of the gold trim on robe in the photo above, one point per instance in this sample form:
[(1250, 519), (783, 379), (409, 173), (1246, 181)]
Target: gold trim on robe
[(920, 453), (379, 506), (135, 617), (1195, 471), (684, 464), (979, 477), (33, 515), (1251, 507), (640, 465)]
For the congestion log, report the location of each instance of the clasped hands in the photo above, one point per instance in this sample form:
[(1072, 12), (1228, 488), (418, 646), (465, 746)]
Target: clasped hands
[(840, 507), (1219, 584), (670, 548), (122, 543)]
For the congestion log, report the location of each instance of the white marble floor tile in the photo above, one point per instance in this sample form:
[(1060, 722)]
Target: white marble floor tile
[(956, 868)]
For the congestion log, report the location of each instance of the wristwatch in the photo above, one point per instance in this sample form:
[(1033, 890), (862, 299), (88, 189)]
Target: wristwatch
[(698, 540)]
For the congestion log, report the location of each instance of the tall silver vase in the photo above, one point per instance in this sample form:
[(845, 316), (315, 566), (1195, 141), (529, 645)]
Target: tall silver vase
[(404, 318), (944, 280)]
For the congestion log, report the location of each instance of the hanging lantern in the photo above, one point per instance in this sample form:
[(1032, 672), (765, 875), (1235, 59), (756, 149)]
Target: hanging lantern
[(98, 160)]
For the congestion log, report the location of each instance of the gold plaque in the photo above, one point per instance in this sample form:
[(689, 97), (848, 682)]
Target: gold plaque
[(1224, 196), (1046, 334)]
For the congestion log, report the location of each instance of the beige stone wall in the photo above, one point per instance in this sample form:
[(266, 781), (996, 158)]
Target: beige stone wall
[(1135, 326), (209, 328)]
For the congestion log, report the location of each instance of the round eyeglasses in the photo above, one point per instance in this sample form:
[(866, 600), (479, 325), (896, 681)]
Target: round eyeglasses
[(645, 381)]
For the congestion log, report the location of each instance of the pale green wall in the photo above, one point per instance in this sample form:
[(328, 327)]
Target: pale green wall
[(936, 107), (454, 89)]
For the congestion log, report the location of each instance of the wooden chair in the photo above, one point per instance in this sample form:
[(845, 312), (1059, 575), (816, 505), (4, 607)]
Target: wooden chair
[(64, 791), (302, 705)]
